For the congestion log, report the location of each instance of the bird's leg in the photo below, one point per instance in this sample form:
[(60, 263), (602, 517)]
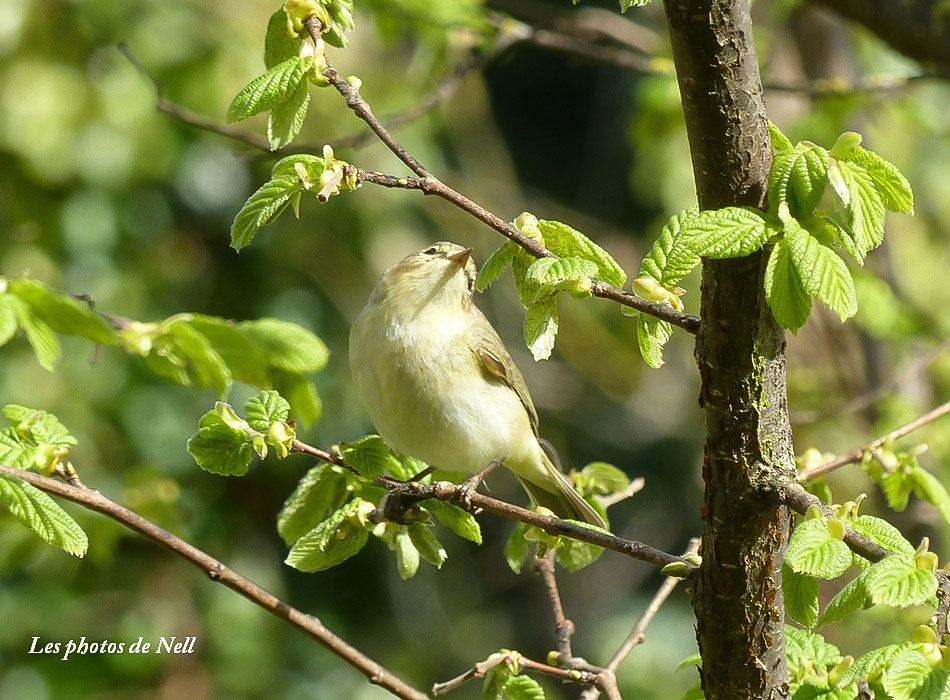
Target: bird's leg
[(471, 484), (398, 507)]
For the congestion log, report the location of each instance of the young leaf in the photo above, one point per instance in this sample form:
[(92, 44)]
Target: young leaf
[(548, 273), (8, 322), (893, 187), (279, 43), (731, 232), (574, 554), (407, 556), (798, 177), (865, 207), (203, 364), (516, 549), (265, 409), (821, 270), (319, 490), (906, 672), (652, 335), (13, 451), (604, 479), (883, 533), (802, 646), (43, 515), (493, 267), (897, 487), (780, 142), (369, 455), (63, 313), (897, 582), (43, 426), (849, 599), (461, 522), (300, 392), (429, 547), (260, 209), (540, 326), (801, 596), (787, 298), (660, 263), (871, 663), (286, 345), (334, 540), (220, 448), (929, 488), (523, 688), (39, 334), (268, 90), (814, 552), (567, 242), (287, 118)]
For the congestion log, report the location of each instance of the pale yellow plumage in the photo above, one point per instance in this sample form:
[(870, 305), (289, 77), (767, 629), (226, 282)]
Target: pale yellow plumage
[(438, 383)]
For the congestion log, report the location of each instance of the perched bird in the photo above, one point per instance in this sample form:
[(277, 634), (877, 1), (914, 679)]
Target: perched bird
[(439, 385)]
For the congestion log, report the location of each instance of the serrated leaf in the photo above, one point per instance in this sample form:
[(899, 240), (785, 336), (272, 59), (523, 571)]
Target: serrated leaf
[(540, 326), (865, 207), (780, 142), (731, 232), (369, 455), (429, 547), (334, 540), (605, 479), (897, 582), (893, 187), (287, 118), (289, 168), (43, 515), (319, 490), (8, 322), (557, 273), (936, 686), (871, 663), (567, 242), (849, 599), (492, 268), (897, 487), (574, 554), (44, 427), (668, 262), (786, 294), (41, 337), (802, 646), (407, 556), (204, 366), (260, 209), (814, 552), (801, 596), (13, 451), (883, 533), (63, 313), (461, 522), (265, 409), (279, 44), (516, 549), (219, 448), (822, 272), (240, 353), (520, 262), (906, 672), (652, 335), (523, 688), (929, 488), (268, 90), (798, 176), (286, 345)]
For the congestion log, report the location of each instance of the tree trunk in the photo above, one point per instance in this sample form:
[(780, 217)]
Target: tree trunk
[(740, 351)]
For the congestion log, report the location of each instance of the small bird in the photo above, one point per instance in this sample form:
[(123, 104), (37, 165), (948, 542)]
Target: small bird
[(439, 385)]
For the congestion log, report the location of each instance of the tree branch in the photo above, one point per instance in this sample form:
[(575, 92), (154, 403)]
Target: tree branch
[(857, 453), (216, 571), (563, 627), (480, 669)]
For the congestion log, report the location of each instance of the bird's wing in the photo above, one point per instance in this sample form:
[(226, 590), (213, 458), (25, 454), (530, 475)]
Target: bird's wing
[(497, 363)]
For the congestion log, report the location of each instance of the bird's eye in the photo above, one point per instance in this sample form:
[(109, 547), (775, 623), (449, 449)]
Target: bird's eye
[(431, 251)]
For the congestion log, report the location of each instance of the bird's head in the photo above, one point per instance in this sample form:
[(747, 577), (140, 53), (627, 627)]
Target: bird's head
[(442, 273)]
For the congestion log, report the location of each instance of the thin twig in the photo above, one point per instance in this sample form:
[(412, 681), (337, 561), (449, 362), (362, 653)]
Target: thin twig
[(563, 627), (216, 571), (472, 502), (633, 487), (480, 669), (858, 453)]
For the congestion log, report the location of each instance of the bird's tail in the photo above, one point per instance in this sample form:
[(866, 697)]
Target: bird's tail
[(559, 496)]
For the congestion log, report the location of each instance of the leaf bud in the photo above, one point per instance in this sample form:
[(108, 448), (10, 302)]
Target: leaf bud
[(924, 634), (845, 144), (842, 667), (527, 223), (676, 569), (282, 437), (837, 528)]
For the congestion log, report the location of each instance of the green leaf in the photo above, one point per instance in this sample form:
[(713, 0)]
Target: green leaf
[(429, 547), (369, 455), (8, 322), (559, 273), (240, 353), (334, 540), (265, 409), (63, 313), (849, 599), (871, 663), (731, 232), (407, 556), (883, 533), (798, 176), (814, 552), (802, 646), (896, 581), (786, 294), (567, 242), (219, 448), (43, 426), (286, 345), (540, 326), (893, 187), (780, 142), (668, 260), (652, 335), (260, 209), (13, 451), (821, 270), (897, 487), (461, 522), (268, 90), (288, 168), (305, 404), (865, 207), (41, 337), (41, 514), (929, 488), (906, 672), (319, 490), (693, 660), (287, 118), (516, 549), (205, 366), (801, 596), (574, 554), (523, 688), (604, 479), (279, 44), (936, 686), (496, 264)]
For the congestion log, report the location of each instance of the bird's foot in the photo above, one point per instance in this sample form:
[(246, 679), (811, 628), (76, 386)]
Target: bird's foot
[(399, 508), (468, 487)]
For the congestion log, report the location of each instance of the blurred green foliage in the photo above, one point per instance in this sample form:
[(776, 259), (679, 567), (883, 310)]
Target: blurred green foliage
[(101, 194)]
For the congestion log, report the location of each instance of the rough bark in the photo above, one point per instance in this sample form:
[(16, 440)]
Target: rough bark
[(740, 352)]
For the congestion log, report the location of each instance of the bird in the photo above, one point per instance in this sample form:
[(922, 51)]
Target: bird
[(439, 385)]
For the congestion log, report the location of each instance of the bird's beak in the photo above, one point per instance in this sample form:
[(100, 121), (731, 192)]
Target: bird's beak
[(462, 257)]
